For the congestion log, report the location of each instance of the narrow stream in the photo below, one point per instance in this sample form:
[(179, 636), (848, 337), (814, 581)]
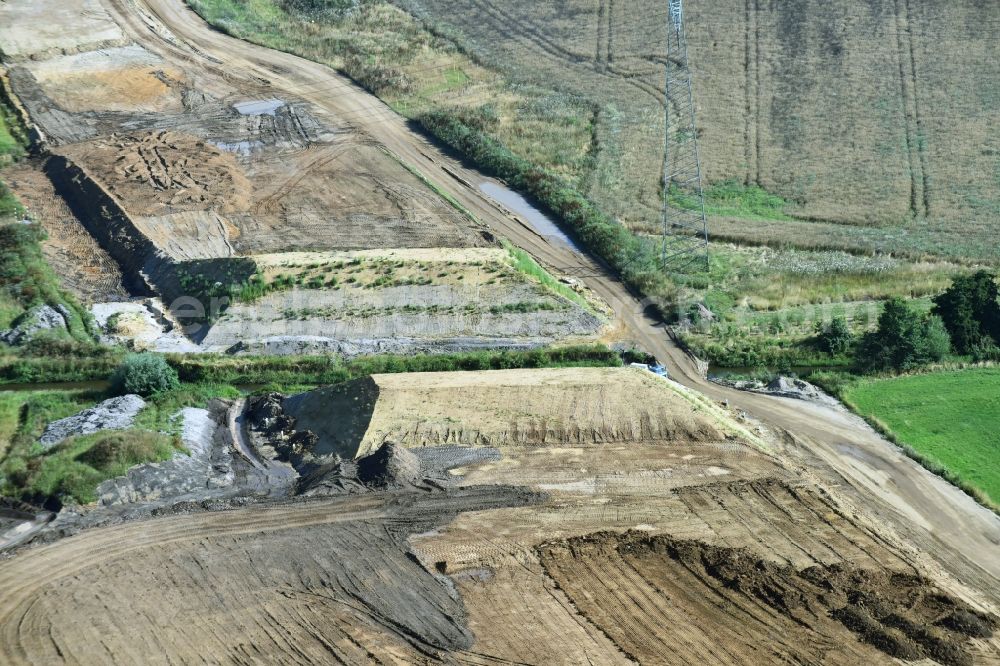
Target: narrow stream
[(534, 217)]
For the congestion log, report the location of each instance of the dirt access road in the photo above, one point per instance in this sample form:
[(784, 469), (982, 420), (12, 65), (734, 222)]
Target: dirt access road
[(944, 522)]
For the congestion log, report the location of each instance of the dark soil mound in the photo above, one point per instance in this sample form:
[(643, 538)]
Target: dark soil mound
[(391, 466)]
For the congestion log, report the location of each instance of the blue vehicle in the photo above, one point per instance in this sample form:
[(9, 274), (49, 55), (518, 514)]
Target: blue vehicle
[(656, 369)]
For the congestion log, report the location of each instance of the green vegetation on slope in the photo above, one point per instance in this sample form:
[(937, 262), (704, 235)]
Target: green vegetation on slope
[(316, 370), (950, 420), (45, 361), (72, 470), (27, 280)]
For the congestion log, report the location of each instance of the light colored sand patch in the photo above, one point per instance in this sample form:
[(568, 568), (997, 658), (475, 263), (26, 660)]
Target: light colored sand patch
[(584, 486), (133, 323), (127, 78), (43, 27)]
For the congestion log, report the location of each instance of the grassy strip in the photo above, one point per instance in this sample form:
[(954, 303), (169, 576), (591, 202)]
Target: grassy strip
[(437, 189), (732, 198), (45, 360), (946, 421), (76, 363), (527, 265), (27, 281), (13, 137)]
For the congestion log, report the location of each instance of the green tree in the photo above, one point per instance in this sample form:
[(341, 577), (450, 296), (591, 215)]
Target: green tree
[(971, 311), (835, 337), (904, 339), (144, 374)]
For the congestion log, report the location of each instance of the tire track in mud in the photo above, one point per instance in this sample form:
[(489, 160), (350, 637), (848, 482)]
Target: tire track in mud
[(917, 115), (24, 576), (752, 92), (303, 582), (611, 34), (270, 201), (600, 49), (726, 605), (535, 39), (915, 153)]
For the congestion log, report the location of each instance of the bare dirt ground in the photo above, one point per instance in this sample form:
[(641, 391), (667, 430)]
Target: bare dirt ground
[(84, 267), (92, 28), (922, 523), (669, 535)]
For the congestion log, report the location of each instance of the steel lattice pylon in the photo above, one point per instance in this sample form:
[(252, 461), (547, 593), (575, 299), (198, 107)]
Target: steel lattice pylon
[(685, 226)]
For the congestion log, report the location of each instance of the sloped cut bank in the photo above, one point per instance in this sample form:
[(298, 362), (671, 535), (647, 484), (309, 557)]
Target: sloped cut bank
[(148, 270)]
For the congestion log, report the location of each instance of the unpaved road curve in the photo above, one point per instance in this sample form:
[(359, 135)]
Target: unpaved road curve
[(963, 536)]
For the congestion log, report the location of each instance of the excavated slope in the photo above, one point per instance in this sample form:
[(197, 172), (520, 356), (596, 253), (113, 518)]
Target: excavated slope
[(499, 408)]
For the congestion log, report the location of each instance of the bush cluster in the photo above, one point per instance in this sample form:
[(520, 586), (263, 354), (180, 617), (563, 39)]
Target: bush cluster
[(904, 339), (145, 375), (971, 312)]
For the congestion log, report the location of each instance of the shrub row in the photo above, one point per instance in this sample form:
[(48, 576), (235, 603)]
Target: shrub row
[(261, 370), (633, 257)]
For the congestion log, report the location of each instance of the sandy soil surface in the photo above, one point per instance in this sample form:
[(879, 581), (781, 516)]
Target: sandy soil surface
[(574, 406), (84, 267), (63, 27), (675, 538), (126, 79)]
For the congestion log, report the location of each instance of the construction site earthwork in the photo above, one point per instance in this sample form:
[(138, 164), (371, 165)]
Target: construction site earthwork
[(201, 194)]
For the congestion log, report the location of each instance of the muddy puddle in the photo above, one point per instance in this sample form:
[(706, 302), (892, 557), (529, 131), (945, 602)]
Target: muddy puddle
[(534, 217), (259, 107)]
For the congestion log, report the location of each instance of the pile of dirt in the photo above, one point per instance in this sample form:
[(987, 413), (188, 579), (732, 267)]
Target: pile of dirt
[(391, 466), (901, 614), (162, 172)]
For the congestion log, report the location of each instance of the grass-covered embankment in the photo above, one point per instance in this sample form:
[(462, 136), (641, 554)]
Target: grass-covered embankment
[(72, 470), (948, 421), (42, 362), (27, 281)]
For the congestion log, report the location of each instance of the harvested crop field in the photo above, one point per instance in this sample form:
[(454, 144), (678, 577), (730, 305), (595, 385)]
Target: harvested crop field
[(545, 545), (832, 106)]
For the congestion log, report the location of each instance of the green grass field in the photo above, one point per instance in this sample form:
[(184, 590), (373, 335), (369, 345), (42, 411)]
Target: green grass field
[(949, 418)]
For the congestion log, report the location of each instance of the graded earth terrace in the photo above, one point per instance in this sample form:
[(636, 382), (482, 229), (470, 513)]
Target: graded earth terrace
[(198, 187)]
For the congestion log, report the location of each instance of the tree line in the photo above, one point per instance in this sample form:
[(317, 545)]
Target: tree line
[(964, 320)]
